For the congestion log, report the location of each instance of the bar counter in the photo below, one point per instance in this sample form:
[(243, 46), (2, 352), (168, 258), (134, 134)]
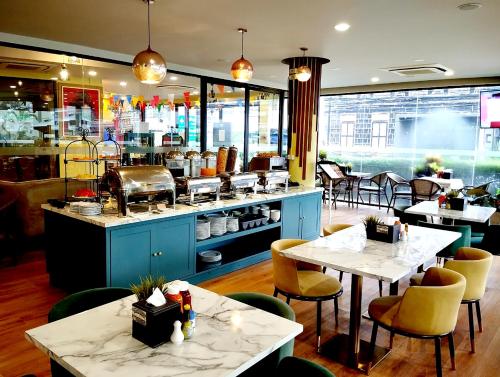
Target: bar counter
[(106, 250)]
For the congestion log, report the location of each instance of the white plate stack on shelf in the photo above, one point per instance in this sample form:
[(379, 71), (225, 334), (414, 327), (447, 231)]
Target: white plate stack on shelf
[(202, 229), (75, 206), (217, 224), (232, 224), (89, 209)]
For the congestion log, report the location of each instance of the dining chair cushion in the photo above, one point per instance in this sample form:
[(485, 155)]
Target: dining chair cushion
[(296, 366), (275, 306), (475, 265), (429, 310), (464, 240), (332, 228), (317, 284)]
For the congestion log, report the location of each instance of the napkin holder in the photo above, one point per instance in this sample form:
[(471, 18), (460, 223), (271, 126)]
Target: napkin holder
[(384, 233), (457, 204), (153, 325)]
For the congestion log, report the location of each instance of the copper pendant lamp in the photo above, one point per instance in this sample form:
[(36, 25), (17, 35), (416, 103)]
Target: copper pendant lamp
[(242, 69), (303, 72), (148, 66)]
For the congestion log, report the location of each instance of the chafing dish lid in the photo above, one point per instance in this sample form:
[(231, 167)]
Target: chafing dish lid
[(209, 155), (175, 155), (193, 155), (140, 179), (272, 173)]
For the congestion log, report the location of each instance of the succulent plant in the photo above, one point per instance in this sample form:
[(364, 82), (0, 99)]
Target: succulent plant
[(371, 221), (322, 155), (452, 194), (147, 285)]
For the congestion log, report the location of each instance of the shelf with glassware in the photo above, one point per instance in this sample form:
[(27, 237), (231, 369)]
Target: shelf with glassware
[(80, 152)]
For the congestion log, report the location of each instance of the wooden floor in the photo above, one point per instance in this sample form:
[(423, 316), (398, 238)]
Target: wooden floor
[(26, 297)]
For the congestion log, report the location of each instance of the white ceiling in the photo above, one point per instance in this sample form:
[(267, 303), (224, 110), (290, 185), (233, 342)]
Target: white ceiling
[(202, 34)]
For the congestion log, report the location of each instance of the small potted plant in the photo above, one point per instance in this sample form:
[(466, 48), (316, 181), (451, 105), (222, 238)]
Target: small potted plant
[(348, 167), (322, 155), (378, 231), (455, 202), (147, 285)]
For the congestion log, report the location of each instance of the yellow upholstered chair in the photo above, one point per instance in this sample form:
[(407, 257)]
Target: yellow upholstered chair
[(475, 265), (426, 311), (303, 281)]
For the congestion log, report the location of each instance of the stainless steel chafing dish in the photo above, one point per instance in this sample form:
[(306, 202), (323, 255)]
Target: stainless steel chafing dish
[(132, 184), (198, 185), (271, 180), (233, 182)]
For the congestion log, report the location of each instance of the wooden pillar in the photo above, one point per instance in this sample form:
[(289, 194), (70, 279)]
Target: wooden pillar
[(303, 109)]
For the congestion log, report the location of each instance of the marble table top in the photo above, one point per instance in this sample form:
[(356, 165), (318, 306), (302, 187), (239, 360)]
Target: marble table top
[(470, 213), (110, 220), (229, 338), (447, 184), (349, 250)]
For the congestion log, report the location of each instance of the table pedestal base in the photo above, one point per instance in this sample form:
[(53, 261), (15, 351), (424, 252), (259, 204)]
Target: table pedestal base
[(336, 349)]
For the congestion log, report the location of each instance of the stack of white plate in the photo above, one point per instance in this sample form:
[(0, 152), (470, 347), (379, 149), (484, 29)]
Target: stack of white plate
[(217, 224), (89, 209), (232, 224), (202, 229), (75, 206)]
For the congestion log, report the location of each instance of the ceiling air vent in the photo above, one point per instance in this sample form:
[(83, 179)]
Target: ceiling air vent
[(23, 66), (418, 70)]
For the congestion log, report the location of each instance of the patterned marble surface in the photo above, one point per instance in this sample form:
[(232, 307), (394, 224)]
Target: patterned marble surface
[(471, 213), (230, 337), (349, 250), (110, 220)]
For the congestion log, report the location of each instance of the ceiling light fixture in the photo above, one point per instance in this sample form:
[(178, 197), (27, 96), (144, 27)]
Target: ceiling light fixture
[(303, 72), (173, 78), (13, 87), (374, 79), (469, 6), (54, 78), (449, 73), (148, 66), (16, 93), (123, 84), (342, 26), (20, 83), (64, 73), (92, 73), (242, 69)]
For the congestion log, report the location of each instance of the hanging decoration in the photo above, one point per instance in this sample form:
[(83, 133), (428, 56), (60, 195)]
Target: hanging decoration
[(242, 69), (148, 66)]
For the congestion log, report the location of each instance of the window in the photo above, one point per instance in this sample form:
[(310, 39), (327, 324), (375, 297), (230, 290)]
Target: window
[(363, 134)]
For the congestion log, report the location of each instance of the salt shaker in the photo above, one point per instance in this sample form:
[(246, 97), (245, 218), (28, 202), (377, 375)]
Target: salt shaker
[(177, 336)]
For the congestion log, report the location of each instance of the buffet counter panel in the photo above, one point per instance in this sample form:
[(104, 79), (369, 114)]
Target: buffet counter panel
[(105, 250)]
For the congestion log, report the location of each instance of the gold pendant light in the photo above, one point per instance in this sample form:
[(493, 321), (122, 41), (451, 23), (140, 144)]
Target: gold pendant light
[(242, 69), (149, 67), (303, 72)]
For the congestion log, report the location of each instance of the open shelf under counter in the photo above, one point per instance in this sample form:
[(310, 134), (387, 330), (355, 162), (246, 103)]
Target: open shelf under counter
[(234, 235)]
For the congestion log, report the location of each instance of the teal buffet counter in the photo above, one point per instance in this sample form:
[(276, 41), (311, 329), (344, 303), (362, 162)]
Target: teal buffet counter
[(96, 251)]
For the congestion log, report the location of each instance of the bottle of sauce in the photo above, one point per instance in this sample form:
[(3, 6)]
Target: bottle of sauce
[(173, 294), (187, 324), (222, 159), (231, 159), (184, 292)]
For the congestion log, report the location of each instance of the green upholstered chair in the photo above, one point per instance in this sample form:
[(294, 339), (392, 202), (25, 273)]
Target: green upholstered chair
[(463, 241), (296, 366), (478, 230), (77, 303), (410, 218), (275, 306)]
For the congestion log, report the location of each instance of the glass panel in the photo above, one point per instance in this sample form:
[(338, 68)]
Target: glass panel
[(226, 118), (264, 123), (402, 131)]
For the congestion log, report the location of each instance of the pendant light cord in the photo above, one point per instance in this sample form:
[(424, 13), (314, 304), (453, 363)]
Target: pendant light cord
[(149, 29), (242, 32)]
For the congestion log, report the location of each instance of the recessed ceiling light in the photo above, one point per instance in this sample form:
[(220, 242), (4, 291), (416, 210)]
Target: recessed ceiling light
[(13, 87), (54, 78), (173, 78), (469, 6), (16, 93), (92, 73), (343, 26), (20, 83), (74, 58), (419, 60), (374, 79), (123, 84), (449, 73)]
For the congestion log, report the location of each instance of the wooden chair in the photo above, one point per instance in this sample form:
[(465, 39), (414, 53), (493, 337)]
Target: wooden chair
[(424, 189), (400, 187), (428, 311), (303, 281), (334, 182), (373, 185)]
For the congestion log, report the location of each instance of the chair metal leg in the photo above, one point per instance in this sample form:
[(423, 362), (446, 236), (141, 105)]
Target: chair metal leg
[(324, 269), (380, 288), (336, 306), (387, 200), (318, 325), (478, 313), (288, 300), (275, 294), (437, 346), (371, 350), (341, 275), (378, 197), (451, 345), (471, 327)]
